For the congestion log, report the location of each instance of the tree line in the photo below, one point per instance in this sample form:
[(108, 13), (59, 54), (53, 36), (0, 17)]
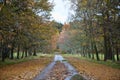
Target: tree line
[(25, 28), (94, 29)]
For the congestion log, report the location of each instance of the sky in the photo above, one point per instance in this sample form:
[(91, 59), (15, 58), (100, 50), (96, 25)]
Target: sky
[(60, 11)]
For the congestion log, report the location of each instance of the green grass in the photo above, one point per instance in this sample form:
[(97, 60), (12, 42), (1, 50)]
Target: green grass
[(15, 61), (107, 63)]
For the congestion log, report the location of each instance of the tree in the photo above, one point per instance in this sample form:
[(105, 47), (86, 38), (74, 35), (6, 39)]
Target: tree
[(98, 22), (23, 26)]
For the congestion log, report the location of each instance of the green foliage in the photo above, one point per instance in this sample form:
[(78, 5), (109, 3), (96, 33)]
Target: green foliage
[(25, 25), (94, 28), (57, 25), (63, 52)]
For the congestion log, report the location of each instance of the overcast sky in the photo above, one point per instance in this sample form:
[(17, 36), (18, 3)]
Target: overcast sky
[(60, 11)]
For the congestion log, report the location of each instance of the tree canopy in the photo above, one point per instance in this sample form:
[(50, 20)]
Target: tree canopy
[(25, 26), (94, 29)]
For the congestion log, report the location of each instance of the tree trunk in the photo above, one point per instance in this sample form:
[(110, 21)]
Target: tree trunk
[(117, 54), (105, 45), (112, 57), (22, 54), (93, 56), (34, 54), (83, 52), (26, 52), (18, 51), (12, 51), (0, 52), (89, 55), (3, 54), (92, 49), (109, 50), (108, 38), (96, 51)]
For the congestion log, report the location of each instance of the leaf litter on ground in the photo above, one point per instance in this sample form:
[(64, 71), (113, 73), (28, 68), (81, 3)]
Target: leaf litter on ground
[(94, 70), (25, 70)]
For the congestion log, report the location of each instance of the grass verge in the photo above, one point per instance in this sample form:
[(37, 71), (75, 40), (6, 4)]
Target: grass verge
[(107, 63), (15, 61)]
